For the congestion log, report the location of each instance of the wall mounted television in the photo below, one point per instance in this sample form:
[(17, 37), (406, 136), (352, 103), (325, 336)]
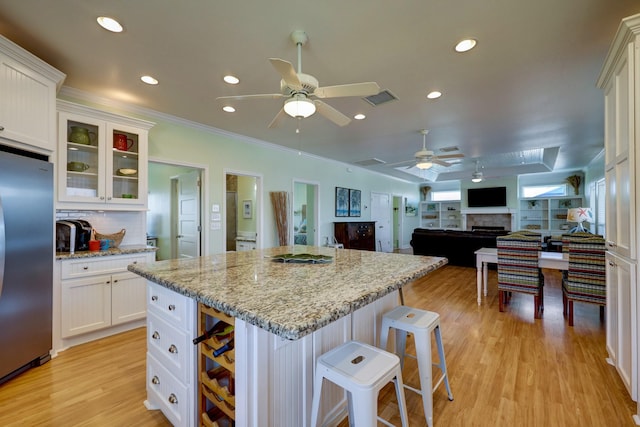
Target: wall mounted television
[(486, 197)]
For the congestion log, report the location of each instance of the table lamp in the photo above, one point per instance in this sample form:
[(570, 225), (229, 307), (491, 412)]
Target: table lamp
[(579, 215)]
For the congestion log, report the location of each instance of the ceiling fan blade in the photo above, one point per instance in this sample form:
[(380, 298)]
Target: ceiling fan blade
[(258, 96), (451, 156), (332, 114), (287, 72), (440, 162), (277, 118), (354, 89)]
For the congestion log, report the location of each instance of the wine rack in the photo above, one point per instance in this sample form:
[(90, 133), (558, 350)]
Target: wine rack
[(216, 382)]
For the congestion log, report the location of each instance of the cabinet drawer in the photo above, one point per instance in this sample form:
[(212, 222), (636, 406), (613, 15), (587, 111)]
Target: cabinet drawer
[(170, 306), (172, 346), (89, 266), (168, 393)]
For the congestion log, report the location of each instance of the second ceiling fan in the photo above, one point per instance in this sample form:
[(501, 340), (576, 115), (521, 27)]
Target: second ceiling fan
[(301, 90)]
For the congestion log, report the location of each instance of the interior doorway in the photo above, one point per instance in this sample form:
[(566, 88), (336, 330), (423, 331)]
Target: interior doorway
[(175, 214), (381, 214), (243, 208), (305, 213)]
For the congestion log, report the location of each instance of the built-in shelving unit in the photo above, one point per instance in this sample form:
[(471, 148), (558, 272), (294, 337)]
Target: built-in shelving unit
[(440, 215), (547, 214)]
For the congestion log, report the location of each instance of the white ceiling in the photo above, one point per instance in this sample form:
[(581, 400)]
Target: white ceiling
[(525, 93)]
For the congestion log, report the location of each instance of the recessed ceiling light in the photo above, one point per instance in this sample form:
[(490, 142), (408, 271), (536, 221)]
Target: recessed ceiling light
[(465, 45), (232, 80), (109, 24), (229, 109), (359, 116), (149, 80), (434, 95)]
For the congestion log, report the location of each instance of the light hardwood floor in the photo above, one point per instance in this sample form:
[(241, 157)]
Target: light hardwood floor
[(505, 368)]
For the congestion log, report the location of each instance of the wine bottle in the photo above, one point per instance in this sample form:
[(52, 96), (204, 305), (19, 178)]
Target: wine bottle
[(228, 346), (219, 329)]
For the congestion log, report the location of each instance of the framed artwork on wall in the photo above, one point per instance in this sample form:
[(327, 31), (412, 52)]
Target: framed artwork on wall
[(342, 201), (246, 209), (354, 202)]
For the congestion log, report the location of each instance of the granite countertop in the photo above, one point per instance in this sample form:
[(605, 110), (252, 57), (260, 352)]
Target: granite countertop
[(290, 300), (122, 250)]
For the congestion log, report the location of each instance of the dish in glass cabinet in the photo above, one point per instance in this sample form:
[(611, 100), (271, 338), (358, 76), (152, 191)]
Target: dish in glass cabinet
[(303, 258), (126, 172)]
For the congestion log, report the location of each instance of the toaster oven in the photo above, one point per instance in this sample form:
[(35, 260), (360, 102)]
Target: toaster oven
[(72, 235)]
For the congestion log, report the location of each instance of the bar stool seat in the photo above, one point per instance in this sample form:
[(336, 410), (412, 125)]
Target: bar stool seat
[(420, 323), (362, 370)]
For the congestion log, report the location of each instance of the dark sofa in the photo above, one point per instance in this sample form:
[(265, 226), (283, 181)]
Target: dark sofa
[(456, 245)]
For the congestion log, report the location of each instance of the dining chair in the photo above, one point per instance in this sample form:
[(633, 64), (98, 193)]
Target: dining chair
[(586, 279), (518, 269), (577, 234)]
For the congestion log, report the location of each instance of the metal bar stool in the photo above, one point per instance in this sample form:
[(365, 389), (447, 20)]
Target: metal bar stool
[(420, 323), (362, 370)]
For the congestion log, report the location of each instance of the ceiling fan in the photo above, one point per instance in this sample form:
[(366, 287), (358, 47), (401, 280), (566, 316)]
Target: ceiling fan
[(300, 90), (425, 159)]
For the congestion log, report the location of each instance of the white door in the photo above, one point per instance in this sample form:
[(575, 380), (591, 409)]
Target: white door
[(381, 214), (189, 214)]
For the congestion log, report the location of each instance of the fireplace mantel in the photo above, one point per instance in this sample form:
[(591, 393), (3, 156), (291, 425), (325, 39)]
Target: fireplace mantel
[(491, 210)]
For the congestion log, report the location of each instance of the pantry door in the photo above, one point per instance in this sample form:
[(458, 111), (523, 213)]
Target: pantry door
[(188, 197)]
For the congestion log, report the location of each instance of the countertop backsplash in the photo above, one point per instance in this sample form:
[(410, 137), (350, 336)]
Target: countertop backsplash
[(108, 222)]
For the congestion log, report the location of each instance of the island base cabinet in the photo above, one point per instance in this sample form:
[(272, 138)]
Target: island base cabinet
[(274, 376), (171, 356), (166, 393)]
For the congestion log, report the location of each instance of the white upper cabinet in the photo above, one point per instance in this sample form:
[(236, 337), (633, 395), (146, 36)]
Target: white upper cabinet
[(102, 159), (28, 89)]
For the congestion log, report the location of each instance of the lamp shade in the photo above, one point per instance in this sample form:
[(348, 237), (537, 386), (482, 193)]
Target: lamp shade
[(299, 106), (579, 215)]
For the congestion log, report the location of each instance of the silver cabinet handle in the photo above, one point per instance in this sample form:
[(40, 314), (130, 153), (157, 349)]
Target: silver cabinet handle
[(173, 399), (86, 267), (154, 298), (155, 380), (173, 349), (172, 307), (156, 335), (1, 128)]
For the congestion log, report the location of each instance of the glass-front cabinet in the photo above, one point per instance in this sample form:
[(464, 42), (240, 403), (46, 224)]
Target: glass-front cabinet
[(102, 158)]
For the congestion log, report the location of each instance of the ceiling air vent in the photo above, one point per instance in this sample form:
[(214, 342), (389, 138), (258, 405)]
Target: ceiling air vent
[(370, 162), (381, 98)]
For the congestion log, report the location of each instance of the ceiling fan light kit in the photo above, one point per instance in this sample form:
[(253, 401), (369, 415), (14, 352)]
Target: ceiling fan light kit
[(477, 175), (299, 106), (424, 165)]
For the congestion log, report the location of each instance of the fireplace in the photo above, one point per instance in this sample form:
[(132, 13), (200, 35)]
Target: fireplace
[(489, 218)]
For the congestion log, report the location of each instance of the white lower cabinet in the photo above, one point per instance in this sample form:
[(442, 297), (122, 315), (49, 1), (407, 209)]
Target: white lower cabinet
[(98, 293), (621, 320), (171, 355)]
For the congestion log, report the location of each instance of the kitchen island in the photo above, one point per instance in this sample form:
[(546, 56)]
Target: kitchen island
[(286, 314)]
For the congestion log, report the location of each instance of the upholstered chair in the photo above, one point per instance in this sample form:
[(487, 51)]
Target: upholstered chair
[(518, 269), (577, 234), (586, 279)]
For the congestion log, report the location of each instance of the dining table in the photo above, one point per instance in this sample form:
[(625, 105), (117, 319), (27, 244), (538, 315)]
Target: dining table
[(485, 256)]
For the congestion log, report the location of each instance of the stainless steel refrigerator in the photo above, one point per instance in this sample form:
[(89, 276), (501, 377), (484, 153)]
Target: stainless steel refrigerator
[(26, 260)]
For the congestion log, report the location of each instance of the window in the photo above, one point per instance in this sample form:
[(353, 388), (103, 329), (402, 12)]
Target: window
[(548, 190), (442, 196)]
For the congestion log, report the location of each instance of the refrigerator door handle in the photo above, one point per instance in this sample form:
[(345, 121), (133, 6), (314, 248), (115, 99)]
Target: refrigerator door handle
[(3, 246)]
